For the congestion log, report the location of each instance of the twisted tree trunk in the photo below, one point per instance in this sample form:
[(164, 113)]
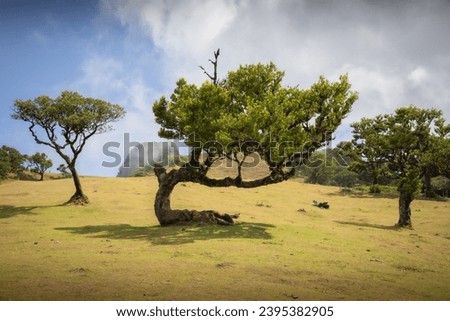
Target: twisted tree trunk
[(78, 197), (167, 182), (404, 208), (167, 216)]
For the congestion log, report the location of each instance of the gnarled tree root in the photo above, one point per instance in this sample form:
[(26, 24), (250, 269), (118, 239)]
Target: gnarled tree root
[(193, 216), (78, 200)]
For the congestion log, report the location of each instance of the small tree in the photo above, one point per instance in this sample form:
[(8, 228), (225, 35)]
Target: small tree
[(15, 159), (248, 112), (39, 163), (402, 141), (66, 123), (441, 185)]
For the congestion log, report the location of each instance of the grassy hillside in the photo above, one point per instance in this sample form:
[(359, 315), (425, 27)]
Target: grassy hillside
[(113, 249)]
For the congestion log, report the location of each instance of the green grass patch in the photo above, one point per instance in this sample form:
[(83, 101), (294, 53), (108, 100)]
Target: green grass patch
[(113, 248)]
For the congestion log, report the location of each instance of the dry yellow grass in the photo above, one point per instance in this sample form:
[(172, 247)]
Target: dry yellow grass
[(113, 249)]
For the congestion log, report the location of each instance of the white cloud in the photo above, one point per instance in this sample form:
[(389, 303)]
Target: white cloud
[(394, 52), (178, 27), (109, 79), (140, 95), (379, 91), (418, 75), (100, 75), (305, 38)]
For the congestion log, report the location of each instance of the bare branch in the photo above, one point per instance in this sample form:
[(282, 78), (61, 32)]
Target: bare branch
[(207, 74), (213, 77)]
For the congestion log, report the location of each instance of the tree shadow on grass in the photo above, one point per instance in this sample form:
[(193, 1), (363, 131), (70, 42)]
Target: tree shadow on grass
[(7, 211), (377, 226), (170, 235)]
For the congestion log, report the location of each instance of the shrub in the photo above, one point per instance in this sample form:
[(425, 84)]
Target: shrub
[(440, 185), (375, 189)]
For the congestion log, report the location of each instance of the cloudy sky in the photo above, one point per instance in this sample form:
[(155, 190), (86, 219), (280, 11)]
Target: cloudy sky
[(396, 53)]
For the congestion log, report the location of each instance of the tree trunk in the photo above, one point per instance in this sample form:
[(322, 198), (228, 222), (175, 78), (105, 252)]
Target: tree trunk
[(375, 179), (78, 198), (42, 176), (167, 181), (427, 177), (167, 216), (405, 209)]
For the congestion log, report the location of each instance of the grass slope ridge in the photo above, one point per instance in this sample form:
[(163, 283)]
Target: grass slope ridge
[(113, 248)]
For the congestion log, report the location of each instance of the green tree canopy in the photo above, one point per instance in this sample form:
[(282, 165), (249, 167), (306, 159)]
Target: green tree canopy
[(436, 160), (249, 111), (402, 140), (39, 163), (366, 150), (65, 123), (11, 161), (252, 105)]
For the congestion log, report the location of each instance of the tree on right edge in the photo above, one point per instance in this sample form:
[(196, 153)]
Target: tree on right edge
[(403, 140)]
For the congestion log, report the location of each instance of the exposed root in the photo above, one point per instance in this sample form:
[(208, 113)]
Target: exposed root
[(205, 217), (78, 200), (405, 226)]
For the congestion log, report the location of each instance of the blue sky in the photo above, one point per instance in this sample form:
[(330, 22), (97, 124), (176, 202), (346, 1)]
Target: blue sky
[(396, 53)]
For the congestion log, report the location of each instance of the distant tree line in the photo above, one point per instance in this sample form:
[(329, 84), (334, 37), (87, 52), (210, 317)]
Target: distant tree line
[(15, 165), (330, 167)]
